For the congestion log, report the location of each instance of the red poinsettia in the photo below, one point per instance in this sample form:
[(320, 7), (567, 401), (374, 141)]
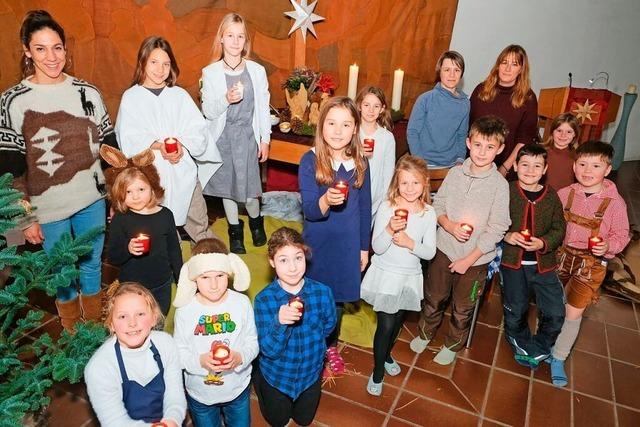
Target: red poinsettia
[(326, 83)]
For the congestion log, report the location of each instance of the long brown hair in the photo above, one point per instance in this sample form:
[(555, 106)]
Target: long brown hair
[(572, 121), (147, 46), (384, 119), (324, 165), (34, 21), (523, 84), (228, 20), (415, 166)]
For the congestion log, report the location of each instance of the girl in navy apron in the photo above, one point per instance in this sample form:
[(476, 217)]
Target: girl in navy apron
[(135, 377)]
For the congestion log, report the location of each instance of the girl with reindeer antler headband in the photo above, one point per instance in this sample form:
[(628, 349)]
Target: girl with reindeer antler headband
[(142, 236)]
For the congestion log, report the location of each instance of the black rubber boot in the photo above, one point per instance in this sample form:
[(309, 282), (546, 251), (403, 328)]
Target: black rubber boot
[(256, 225), (236, 238)]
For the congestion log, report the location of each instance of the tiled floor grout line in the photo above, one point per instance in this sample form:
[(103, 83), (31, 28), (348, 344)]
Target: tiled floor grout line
[(613, 388), (401, 389), (354, 402), (440, 402), (527, 412), (490, 379), (610, 358)]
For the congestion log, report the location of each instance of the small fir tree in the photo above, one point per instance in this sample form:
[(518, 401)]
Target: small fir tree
[(29, 368)]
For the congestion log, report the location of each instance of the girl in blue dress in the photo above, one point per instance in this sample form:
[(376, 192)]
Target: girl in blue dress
[(336, 225)]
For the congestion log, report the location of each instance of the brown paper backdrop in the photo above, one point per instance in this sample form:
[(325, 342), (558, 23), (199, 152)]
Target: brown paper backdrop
[(103, 37)]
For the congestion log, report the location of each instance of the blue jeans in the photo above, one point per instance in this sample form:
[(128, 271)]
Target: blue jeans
[(90, 264), (237, 413)]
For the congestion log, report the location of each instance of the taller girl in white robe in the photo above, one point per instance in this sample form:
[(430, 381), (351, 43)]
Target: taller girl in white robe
[(152, 111)]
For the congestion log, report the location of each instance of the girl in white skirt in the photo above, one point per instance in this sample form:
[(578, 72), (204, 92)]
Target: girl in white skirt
[(404, 233)]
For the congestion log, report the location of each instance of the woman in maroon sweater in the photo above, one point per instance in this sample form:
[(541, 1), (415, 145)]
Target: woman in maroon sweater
[(506, 93)]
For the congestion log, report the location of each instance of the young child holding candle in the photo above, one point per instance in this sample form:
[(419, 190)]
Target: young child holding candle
[(135, 193), (155, 113), (529, 260), (597, 230), (404, 234), (135, 377), (235, 101), (561, 151), (294, 315), (378, 142), (211, 318), (472, 207), (439, 121), (337, 226)]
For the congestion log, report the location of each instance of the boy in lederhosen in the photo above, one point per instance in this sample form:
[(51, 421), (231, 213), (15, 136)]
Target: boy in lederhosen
[(597, 229)]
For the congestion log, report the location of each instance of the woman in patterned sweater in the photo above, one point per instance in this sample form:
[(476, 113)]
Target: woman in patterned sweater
[(51, 127)]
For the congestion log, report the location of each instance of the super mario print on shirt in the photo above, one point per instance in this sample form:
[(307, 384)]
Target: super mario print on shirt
[(214, 324)]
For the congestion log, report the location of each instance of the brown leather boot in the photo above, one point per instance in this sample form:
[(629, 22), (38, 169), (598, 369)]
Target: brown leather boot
[(92, 307), (69, 312)]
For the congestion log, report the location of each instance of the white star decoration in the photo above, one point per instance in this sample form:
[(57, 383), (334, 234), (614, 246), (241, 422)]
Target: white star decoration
[(304, 16)]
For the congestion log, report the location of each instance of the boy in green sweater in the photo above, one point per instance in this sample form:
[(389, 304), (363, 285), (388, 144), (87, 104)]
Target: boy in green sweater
[(529, 260)]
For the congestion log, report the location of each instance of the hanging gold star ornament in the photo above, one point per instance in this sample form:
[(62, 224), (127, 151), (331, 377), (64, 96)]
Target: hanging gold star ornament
[(584, 111), (304, 16)]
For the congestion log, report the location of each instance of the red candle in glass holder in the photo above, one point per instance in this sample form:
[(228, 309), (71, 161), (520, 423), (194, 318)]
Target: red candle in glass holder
[(370, 143), (220, 352), (343, 187), (593, 241), (145, 240), (468, 228), (171, 145), (297, 303), (526, 234), (402, 213)]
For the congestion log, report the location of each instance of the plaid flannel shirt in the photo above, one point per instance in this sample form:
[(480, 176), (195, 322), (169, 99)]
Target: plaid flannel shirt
[(291, 356)]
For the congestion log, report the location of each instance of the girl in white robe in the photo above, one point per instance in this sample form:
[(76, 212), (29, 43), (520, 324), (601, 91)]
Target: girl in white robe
[(152, 112)]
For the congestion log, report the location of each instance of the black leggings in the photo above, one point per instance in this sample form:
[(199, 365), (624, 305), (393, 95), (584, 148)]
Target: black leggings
[(332, 339), (386, 334), (277, 408)]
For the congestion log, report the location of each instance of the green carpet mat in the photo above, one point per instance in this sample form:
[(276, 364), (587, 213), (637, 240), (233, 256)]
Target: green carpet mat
[(359, 321)]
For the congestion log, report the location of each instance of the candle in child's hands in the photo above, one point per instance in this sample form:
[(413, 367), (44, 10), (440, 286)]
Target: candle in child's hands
[(402, 213), (468, 228), (343, 187), (369, 143), (171, 145), (593, 241), (240, 89), (297, 303), (145, 241), (220, 352), (526, 234)]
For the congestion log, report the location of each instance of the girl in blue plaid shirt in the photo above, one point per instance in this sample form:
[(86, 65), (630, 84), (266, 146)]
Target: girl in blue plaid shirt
[(294, 316)]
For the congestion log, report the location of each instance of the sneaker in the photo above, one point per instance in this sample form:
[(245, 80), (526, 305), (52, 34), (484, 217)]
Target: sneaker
[(335, 361), (374, 389), (392, 368), (418, 345), (526, 361), (558, 374)]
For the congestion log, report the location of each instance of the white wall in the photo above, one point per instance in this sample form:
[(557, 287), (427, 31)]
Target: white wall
[(560, 36)]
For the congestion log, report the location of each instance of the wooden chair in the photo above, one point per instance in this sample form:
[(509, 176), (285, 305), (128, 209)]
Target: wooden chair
[(436, 176)]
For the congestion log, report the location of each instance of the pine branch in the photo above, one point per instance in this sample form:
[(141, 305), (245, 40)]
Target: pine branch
[(24, 386)]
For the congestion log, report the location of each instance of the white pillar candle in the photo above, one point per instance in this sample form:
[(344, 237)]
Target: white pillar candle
[(353, 81), (396, 93)]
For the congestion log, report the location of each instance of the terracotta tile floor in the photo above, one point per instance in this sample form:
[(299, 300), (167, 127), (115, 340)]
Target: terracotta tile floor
[(484, 386)]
